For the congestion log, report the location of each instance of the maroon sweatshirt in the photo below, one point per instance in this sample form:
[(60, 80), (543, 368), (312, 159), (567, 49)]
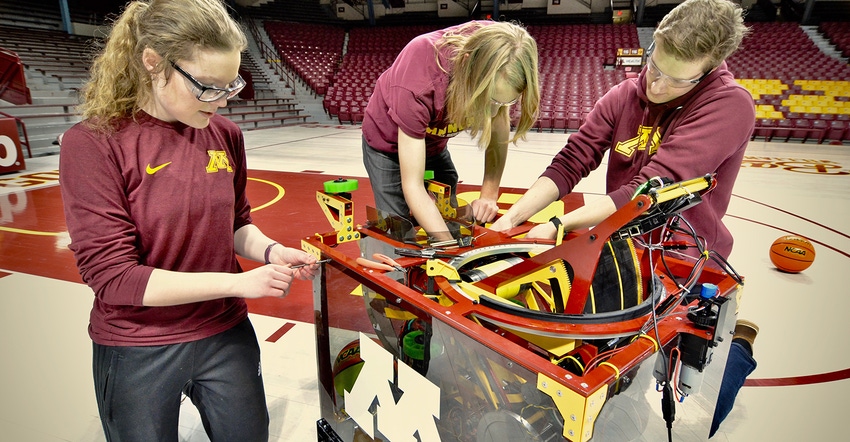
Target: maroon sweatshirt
[(154, 195), (703, 132)]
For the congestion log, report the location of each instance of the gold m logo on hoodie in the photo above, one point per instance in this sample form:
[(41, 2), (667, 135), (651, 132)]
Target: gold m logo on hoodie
[(629, 147), (218, 161)]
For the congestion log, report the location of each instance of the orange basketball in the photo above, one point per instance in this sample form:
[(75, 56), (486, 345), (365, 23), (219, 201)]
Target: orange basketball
[(792, 253)]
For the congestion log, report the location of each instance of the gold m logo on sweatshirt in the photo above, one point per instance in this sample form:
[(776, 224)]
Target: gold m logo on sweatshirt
[(629, 147), (218, 161)]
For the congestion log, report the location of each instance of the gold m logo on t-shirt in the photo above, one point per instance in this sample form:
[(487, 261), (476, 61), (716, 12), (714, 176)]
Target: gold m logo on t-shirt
[(629, 147), (218, 161)]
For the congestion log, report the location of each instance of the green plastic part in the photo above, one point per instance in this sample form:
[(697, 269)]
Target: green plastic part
[(340, 185)]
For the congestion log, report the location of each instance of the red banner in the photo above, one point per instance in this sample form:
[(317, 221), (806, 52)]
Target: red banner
[(11, 156)]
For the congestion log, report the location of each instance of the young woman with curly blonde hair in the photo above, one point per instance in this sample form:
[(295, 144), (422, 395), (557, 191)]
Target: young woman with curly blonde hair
[(153, 182)]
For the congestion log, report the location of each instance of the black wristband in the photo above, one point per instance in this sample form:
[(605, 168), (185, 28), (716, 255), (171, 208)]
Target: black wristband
[(557, 222), (268, 251)]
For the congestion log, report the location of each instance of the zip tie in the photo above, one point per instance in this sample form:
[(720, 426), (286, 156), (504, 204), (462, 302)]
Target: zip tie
[(644, 335), (613, 367)]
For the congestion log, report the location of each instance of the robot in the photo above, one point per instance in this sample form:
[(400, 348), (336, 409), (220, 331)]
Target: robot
[(494, 337)]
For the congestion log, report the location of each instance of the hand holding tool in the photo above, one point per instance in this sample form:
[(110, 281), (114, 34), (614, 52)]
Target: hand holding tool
[(298, 266)]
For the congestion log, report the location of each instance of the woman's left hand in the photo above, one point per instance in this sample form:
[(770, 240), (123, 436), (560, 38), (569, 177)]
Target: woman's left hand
[(544, 231)]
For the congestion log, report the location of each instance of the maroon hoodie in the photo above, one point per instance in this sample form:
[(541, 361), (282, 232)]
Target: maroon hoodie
[(705, 131)]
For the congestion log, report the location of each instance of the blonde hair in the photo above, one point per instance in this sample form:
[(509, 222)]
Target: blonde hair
[(175, 29), (702, 29), (480, 54)]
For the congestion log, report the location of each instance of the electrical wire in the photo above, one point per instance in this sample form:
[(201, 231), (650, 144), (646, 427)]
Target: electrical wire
[(594, 361)]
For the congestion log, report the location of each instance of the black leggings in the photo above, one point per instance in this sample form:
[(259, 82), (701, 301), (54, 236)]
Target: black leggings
[(139, 389)]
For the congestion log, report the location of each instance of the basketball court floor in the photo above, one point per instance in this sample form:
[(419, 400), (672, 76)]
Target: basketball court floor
[(799, 391)]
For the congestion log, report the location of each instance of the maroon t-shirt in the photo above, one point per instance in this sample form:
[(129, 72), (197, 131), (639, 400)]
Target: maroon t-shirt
[(154, 195), (411, 95)]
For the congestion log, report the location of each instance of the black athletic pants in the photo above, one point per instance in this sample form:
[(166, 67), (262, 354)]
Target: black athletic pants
[(139, 388)]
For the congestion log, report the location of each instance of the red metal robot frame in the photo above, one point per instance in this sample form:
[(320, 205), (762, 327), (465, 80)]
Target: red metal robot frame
[(519, 337)]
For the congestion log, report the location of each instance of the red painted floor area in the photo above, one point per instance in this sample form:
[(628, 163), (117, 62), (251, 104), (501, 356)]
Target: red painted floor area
[(35, 241)]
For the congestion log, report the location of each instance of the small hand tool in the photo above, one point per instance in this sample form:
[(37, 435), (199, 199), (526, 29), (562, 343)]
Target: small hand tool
[(382, 262), (298, 266)]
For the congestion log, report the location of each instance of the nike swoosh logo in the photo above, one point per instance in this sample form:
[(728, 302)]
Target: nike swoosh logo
[(152, 170)]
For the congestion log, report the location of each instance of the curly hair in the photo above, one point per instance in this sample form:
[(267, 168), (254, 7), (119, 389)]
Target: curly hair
[(175, 29), (481, 54), (702, 29)]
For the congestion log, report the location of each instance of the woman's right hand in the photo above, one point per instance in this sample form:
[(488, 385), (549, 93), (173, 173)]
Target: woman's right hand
[(270, 280)]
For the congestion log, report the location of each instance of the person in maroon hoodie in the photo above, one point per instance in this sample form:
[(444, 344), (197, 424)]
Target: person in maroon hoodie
[(682, 118), (153, 183)]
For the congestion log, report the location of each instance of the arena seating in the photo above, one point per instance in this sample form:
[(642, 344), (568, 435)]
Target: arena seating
[(370, 51), (793, 83), (789, 77), (264, 113), (571, 50), (577, 68), (312, 51), (838, 34), (58, 58), (56, 61), (800, 93)]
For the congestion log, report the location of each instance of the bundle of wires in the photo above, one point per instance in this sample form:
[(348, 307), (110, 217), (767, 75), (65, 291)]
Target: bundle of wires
[(670, 244)]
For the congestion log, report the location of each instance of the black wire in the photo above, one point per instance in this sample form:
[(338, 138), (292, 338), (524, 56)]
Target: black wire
[(716, 257), (719, 259)]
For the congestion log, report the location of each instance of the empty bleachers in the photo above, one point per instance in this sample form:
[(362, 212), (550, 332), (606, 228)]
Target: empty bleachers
[(57, 63), (794, 85), (793, 82), (312, 51), (264, 113), (50, 57), (839, 34), (576, 69), (370, 52)]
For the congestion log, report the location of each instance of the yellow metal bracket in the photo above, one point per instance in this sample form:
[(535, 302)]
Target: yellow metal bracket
[(443, 193), (579, 412), (340, 213), (436, 267), (311, 249), (683, 188), (554, 270)]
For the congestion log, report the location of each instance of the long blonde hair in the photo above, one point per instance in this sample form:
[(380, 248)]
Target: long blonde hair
[(175, 29), (480, 54)]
